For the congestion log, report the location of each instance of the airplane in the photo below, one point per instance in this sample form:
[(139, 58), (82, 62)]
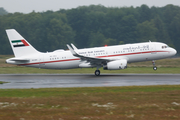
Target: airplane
[(110, 57)]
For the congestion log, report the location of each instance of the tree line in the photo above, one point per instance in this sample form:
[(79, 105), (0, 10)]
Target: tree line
[(93, 26)]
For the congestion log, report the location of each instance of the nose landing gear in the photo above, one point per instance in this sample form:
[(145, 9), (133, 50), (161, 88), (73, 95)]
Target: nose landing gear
[(154, 67)]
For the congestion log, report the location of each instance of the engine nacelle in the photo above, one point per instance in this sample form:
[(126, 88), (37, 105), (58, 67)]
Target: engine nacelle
[(116, 65)]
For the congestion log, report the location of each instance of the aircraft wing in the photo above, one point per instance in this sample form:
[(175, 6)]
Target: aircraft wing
[(91, 60)]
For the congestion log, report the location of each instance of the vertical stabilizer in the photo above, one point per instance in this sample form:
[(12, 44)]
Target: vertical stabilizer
[(19, 45)]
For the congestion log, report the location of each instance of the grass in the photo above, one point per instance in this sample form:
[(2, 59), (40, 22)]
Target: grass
[(2, 82), (56, 92), (104, 103)]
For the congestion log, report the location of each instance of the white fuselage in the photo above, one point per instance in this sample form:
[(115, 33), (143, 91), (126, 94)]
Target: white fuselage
[(61, 59)]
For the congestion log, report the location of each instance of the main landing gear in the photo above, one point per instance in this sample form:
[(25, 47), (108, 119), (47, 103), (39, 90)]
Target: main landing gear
[(154, 67), (97, 72)]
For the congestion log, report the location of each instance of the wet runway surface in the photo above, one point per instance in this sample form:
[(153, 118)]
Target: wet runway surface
[(85, 80)]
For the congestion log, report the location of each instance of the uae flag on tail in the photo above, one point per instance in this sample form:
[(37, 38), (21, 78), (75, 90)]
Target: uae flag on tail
[(19, 43)]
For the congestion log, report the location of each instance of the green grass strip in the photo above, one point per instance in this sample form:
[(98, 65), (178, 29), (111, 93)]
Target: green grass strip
[(57, 92), (1, 82)]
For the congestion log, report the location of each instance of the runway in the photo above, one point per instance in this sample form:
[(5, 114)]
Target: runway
[(85, 80)]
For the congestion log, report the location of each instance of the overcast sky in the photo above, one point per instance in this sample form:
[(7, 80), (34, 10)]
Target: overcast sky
[(27, 6)]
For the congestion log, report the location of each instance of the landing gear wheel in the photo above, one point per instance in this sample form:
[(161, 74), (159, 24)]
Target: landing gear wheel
[(97, 72), (154, 68)]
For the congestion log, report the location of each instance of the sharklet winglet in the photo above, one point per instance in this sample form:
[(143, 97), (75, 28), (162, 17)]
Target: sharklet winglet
[(74, 47), (72, 51)]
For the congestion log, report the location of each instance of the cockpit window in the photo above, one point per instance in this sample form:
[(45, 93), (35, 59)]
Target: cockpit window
[(163, 47)]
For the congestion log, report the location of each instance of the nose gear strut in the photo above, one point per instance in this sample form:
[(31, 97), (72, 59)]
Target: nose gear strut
[(154, 67)]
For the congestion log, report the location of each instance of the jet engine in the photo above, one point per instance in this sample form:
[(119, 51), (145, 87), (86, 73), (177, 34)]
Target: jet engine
[(116, 65)]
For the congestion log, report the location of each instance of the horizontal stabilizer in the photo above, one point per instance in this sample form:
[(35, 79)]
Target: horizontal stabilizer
[(18, 59)]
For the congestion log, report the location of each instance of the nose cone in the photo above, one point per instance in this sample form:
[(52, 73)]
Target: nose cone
[(7, 61), (173, 51)]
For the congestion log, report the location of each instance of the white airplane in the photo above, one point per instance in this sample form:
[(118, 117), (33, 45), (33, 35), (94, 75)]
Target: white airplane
[(110, 58)]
